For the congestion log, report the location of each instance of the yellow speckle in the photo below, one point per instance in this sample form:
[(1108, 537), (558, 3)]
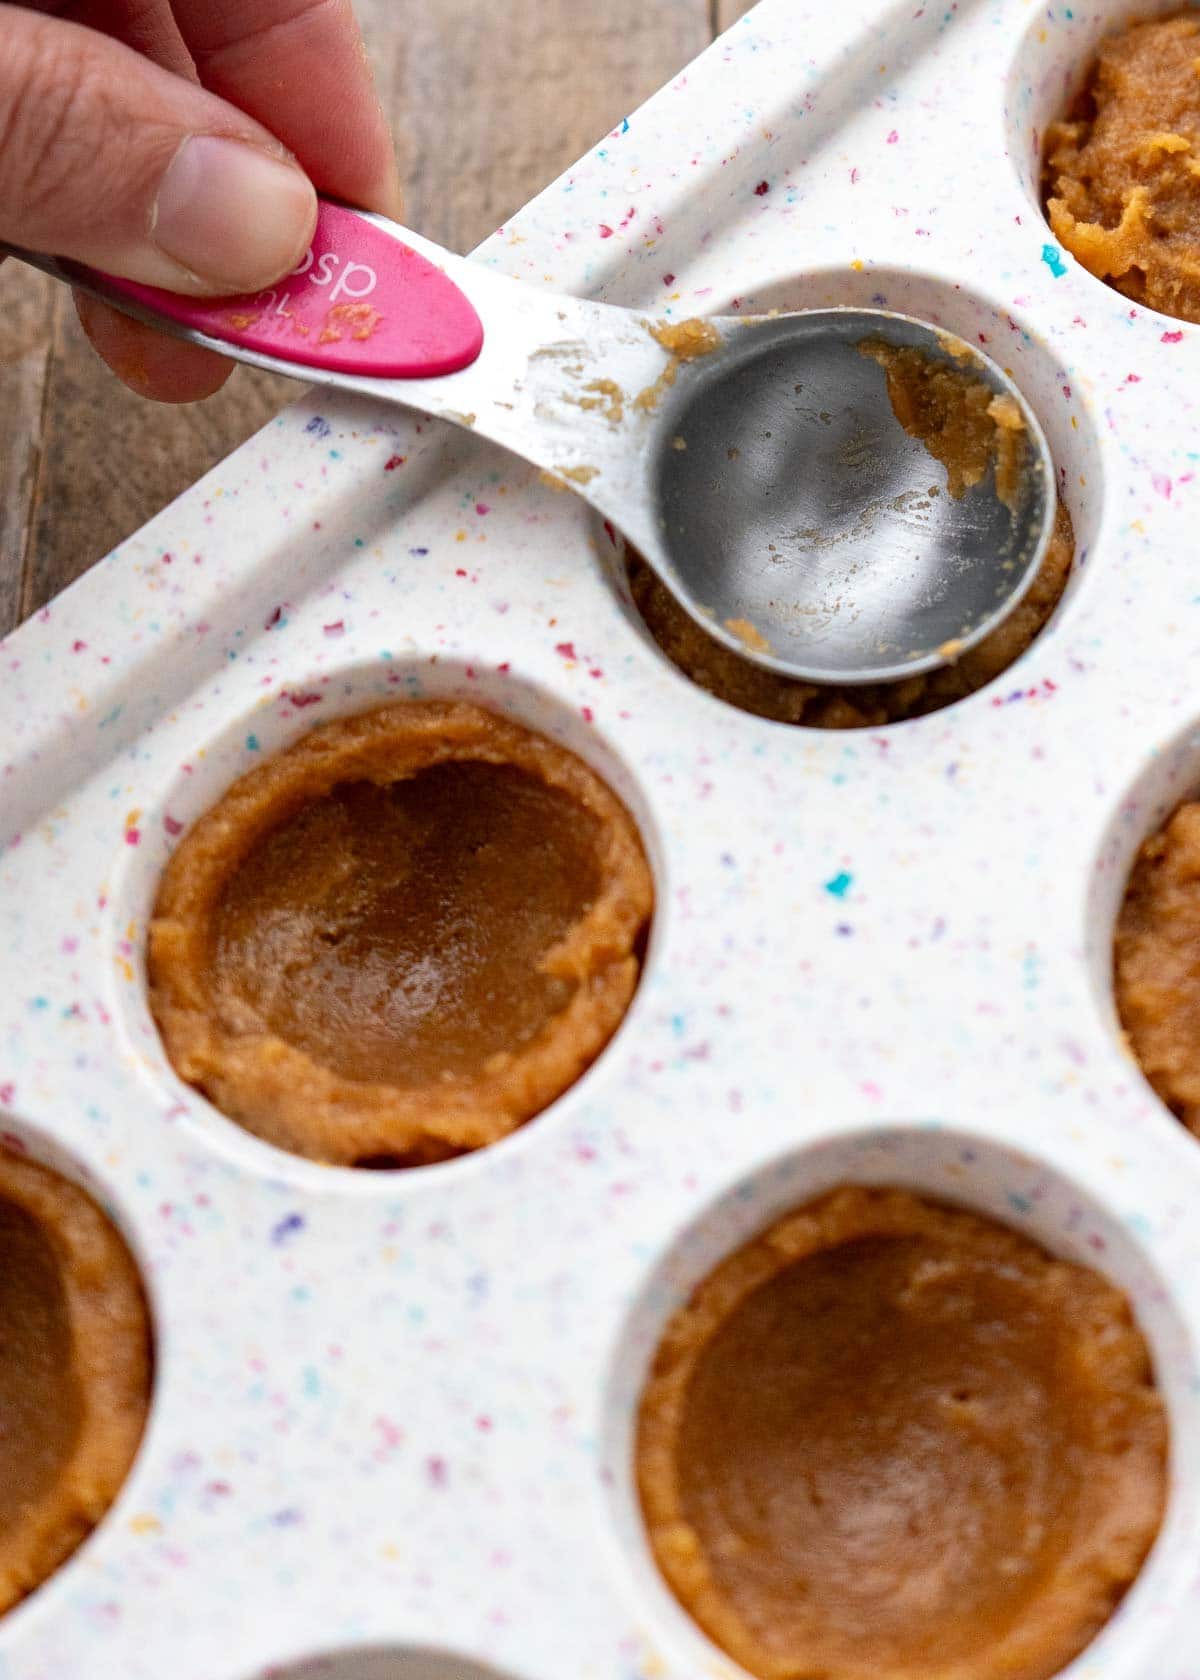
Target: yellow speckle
[(390, 1551), (678, 443), (1074, 423), (858, 265), (126, 969), (460, 536), (131, 818), (1136, 525), (145, 1524)]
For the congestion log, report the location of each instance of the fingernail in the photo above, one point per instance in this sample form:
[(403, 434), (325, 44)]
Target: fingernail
[(232, 215)]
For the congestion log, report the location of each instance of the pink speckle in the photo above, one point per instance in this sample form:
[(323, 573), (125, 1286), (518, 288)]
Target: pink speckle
[(1172, 337), (78, 647), (133, 836), (1162, 485), (869, 1088), (1133, 379), (438, 1472), (893, 137), (300, 700), (274, 619), (484, 1424), (566, 650), (394, 461), (481, 508), (390, 1434), (762, 189), (337, 628), (854, 176), (605, 231), (172, 825), (668, 279), (587, 714)]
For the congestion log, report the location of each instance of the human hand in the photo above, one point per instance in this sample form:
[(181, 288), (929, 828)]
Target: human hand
[(178, 143)]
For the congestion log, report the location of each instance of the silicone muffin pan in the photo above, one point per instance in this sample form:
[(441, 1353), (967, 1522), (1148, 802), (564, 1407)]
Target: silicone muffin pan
[(391, 1425)]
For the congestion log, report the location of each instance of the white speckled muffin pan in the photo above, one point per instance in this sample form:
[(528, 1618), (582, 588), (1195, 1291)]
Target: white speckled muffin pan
[(391, 1426)]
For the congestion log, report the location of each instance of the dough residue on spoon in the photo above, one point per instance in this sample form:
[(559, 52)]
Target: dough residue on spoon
[(957, 416), (684, 341)]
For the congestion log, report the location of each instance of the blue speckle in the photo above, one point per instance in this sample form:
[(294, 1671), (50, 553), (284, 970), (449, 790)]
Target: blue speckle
[(312, 1381), (288, 1518), (287, 1227), (318, 426), (840, 885), (1021, 1203), (252, 743), (1052, 258), (625, 125), (418, 551)]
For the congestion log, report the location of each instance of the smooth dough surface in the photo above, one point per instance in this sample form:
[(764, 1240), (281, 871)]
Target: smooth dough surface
[(74, 1370), (891, 1440), (400, 938)]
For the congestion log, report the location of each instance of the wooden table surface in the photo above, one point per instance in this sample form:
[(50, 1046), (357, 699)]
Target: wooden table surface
[(488, 104)]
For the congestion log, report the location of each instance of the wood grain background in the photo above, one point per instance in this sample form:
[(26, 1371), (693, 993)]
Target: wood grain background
[(488, 103)]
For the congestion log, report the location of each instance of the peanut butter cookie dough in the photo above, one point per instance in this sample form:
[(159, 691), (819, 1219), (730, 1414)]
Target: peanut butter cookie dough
[(1156, 981), (720, 671), (74, 1372), (402, 937), (890, 1440), (1122, 172)]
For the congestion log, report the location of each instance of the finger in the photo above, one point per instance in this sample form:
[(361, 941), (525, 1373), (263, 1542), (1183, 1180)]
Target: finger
[(150, 363), (148, 26), (114, 162), (300, 67)]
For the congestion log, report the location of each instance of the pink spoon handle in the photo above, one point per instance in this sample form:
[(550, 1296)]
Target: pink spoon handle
[(360, 302)]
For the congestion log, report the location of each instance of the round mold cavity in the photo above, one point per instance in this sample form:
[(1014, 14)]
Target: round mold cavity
[(377, 1663), (1031, 1196), (1050, 389), (20, 1138), (1052, 60), (1171, 777), (278, 720)]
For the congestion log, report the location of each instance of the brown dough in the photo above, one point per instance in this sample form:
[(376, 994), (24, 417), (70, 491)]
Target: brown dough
[(74, 1371), (889, 1440), (1122, 173), (402, 937), (720, 671), (1157, 979)]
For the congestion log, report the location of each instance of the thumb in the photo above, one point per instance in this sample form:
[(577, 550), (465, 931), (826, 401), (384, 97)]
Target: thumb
[(109, 160)]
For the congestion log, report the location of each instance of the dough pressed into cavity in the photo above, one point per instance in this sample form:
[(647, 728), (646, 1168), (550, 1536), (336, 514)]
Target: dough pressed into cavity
[(1121, 174), (720, 671), (892, 1440), (402, 937), (1157, 980), (75, 1370)]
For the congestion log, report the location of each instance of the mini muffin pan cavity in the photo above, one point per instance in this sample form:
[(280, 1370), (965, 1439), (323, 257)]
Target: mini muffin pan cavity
[(391, 1424)]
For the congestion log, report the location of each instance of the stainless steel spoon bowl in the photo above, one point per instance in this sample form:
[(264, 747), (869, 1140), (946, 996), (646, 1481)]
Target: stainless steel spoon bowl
[(756, 464)]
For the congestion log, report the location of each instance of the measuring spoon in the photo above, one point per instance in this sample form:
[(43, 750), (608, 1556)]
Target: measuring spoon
[(755, 463)]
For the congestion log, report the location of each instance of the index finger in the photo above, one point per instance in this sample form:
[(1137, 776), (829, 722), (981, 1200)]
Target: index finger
[(300, 68)]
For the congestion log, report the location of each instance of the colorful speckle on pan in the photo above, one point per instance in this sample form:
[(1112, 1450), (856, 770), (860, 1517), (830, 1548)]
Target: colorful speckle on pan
[(391, 1411)]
